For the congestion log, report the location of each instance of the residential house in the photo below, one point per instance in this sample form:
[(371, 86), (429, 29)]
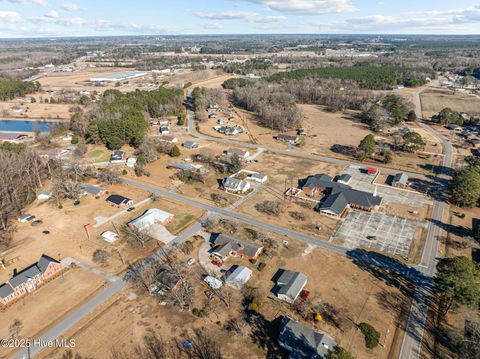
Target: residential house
[(185, 166), (231, 131), (29, 279), (117, 157), (190, 145), (226, 246), (400, 180), (131, 162), (232, 184), (119, 201), (303, 342), (289, 285), (150, 217), (238, 277), (94, 191), (165, 130), (291, 139), (168, 139), (243, 155), (167, 280)]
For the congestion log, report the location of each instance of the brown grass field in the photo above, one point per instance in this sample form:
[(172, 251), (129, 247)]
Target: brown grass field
[(434, 100)]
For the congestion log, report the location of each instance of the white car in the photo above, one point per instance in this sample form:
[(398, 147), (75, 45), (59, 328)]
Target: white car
[(191, 261)]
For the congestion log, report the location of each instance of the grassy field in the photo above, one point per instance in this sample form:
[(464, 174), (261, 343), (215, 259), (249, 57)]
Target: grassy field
[(434, 100)]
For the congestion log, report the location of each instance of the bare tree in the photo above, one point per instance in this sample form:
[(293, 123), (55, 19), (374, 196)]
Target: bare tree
[(15, 328), (135, 237), (109, 175), (100, 256), (203, 345)]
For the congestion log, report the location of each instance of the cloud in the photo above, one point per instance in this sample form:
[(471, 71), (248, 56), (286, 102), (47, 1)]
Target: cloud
[(29, 2), (240, 15), (70, 6), (227, 15), (307, 7), (9, 16), (212, 26), (52, 14)]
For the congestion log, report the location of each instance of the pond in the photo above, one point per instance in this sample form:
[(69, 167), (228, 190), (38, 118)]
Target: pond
[(24, 126)]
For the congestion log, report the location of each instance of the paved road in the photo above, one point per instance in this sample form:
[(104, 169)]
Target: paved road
[(239, 217), (412, 342), (192, 130), (62, 327)]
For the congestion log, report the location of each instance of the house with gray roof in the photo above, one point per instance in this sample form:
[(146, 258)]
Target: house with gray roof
[(93, 190), (304, 342), (400, 180), (232, 184), (334, 205), (243, 155), (29, 279), (226, 246), (190, 145), (289, 285)]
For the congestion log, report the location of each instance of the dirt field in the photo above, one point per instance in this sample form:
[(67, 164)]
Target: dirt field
[(130, 317), (48, 304), (434, 100), (67, 236), (35, 110)]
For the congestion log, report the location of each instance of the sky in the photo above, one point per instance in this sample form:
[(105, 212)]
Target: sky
[(52, 18)]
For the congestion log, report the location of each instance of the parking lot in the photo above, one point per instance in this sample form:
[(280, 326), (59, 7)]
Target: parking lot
[(363, 182), (388, 234)]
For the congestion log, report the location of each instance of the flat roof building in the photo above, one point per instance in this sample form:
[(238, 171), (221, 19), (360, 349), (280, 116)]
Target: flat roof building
[(118, 76)]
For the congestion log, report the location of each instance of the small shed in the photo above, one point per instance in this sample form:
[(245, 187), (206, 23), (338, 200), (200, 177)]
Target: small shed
[(109, 236), (400, 180), (213, 282)]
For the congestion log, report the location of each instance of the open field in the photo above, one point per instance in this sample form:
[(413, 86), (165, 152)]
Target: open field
[(48, 304), (434, 100), (35, 110), (335, 282)]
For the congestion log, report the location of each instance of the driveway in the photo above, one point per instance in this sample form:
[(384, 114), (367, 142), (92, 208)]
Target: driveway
[(204, 260)]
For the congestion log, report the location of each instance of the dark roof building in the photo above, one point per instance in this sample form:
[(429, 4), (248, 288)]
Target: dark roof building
[(303, 342), (117, 156), (226, 246), (338, 196), (166, 279), (118, 200), (400, 180)]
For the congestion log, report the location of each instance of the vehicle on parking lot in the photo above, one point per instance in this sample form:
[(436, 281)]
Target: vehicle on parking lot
[(190, 261)]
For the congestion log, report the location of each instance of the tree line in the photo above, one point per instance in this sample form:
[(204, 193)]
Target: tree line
[(11, 88), (367, 77), (121, 118)]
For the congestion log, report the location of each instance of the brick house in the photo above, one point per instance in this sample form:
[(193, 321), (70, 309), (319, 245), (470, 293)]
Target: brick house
[(29, 279)]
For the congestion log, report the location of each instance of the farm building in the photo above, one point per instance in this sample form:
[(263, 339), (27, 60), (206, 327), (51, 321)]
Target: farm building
[(289, 285), (227, 246), (150, 217), (257, 177), (303, 342)]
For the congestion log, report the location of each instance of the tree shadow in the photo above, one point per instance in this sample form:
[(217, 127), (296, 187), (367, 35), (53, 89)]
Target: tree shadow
[(265, 333), (343, 149), (460, 231)]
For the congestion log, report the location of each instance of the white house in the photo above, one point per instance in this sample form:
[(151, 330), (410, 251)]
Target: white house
[(231, 184), (257, 177), (150, 217), (131, 161)]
